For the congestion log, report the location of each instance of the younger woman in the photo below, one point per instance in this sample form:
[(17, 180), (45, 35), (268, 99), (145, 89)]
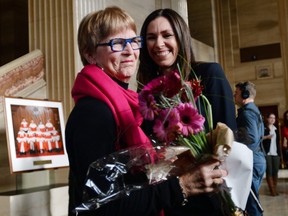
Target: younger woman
[(272, 150)]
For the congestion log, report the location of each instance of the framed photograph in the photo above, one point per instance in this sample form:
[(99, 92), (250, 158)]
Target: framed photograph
[(264, 72), (35, 134)]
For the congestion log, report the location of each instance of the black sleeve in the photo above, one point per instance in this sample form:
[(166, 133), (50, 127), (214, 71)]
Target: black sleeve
[(266, 142), (145, 202), (218, 91), (90, 134)]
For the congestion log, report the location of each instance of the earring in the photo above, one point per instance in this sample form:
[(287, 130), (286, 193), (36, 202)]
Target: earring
[(99, 66)]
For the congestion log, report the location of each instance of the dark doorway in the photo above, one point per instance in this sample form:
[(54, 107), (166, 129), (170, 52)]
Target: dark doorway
[(270, 109), (14, 39)]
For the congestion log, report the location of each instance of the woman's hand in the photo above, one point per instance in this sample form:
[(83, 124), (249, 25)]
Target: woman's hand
[(203, 178), (268, 136)]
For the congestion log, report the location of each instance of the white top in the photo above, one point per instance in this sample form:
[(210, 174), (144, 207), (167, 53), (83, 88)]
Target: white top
[(273, 146)]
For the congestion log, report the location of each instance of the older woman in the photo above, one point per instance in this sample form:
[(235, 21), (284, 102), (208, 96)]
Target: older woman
[(106, 118)]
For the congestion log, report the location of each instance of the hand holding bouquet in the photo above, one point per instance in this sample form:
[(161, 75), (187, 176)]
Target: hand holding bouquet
[(174, 105)]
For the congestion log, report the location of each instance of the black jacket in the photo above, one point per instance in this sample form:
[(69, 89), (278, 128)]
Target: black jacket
[(219, 93)]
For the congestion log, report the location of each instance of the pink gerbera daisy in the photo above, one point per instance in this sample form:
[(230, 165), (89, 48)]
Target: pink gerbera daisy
[(155, 86), (191, 121), (147, 105), (172, 84), (167, 126)]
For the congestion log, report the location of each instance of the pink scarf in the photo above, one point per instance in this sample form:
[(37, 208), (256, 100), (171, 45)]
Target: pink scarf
[(94, 82)]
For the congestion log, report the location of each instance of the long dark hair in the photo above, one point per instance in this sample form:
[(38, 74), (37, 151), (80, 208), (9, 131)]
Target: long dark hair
[(148, 68)]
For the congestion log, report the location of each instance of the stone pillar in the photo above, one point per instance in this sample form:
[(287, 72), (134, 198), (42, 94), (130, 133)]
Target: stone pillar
[(178, 5)]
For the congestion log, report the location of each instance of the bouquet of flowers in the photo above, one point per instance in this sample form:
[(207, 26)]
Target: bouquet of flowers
[(181, 141), (173, 103)]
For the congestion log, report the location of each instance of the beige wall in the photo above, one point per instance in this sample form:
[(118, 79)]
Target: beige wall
[(246, 23)]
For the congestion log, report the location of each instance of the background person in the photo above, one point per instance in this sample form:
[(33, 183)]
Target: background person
[(285, 137), (272, 150), (168, 43), (106, 118), (249, 119)]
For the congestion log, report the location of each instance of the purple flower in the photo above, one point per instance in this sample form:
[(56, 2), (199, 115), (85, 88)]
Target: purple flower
[(155, 86), (166, 127), (172, 82), (168, 85), (191, 121), (147, 105)]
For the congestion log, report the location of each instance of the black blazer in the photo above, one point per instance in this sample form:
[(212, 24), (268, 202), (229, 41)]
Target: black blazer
[(218, 91)]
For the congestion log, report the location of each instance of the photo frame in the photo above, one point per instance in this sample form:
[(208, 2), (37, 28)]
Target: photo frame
[(35, 134), (264, 72)]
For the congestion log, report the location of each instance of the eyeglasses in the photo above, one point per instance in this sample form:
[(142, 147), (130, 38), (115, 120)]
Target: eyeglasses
[(119, 44)]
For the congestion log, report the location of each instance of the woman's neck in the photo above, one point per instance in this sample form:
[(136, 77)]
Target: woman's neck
[(165, 70), (122, 84)]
